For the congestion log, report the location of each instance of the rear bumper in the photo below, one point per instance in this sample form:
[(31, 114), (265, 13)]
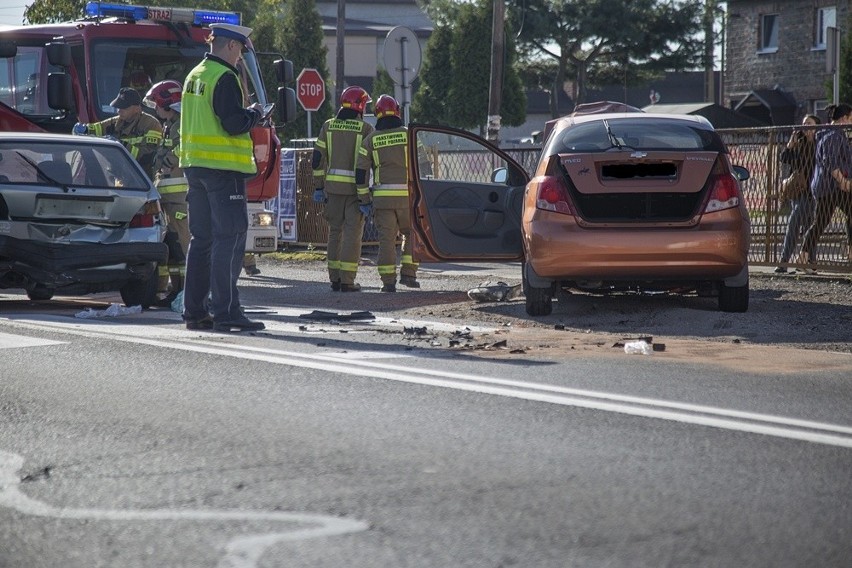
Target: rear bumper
[(54, 257), (559, 249), (76, 268)]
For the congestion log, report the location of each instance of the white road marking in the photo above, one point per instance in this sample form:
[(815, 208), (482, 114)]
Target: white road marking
[(778, 426), (8, 341), (240, 552)]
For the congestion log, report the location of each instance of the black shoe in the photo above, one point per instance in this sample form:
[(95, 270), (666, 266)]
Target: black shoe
[(252, 271), (166, 301), (389, 288), (409, 282), (355, 287), (335, 286), (781, 270), (242, 324), (204, 324)]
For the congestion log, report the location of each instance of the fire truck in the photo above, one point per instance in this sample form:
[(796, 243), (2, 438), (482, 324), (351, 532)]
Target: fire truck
[(55, 75)]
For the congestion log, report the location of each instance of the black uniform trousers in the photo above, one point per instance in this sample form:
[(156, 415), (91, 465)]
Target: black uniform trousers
[(218, 221)]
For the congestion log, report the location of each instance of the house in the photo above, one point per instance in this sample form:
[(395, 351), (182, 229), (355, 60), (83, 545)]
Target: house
[(367, 25), (775, 57), (717, 115)]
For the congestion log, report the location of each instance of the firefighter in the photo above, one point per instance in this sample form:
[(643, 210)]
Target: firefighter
[(385, 153), (140, 132), (217, 155), (164, 97), (334, 158)]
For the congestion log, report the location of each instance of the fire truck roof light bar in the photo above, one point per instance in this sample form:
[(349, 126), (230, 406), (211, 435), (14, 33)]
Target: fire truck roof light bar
[(176, 15)]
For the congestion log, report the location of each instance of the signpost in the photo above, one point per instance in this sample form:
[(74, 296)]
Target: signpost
[(402, 62), (310, 91)]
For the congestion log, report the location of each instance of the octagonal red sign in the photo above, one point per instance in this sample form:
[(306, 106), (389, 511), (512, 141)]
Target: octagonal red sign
[(310, 89)]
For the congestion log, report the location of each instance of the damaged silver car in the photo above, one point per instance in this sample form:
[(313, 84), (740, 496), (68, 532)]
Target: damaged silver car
[(78, 216)]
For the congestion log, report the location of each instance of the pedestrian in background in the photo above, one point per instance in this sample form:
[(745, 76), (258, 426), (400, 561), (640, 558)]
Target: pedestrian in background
[(384, 153), (164, 97), (334, 158), (217, 155), (138, 131), (830, 184), (800, 153)]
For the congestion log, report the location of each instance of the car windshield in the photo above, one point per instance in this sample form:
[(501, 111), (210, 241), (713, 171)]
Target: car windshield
[(78, 165), (635, 134)]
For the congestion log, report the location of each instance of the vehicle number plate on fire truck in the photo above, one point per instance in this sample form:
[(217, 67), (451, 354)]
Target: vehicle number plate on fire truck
[(159, 14)]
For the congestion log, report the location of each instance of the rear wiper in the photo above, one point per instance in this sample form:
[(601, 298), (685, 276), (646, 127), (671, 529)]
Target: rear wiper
[(44, 175), (613, 139)]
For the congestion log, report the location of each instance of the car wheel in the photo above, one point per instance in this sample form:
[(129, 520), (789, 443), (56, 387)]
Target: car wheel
[(539, 300), (141, 292), (733, 298), (40, 294)]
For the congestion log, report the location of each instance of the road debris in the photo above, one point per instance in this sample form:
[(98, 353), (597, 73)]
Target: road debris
[(495, 292)]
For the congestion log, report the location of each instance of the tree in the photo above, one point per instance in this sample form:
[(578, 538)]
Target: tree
[(52, 11), (599, 39), (432, 98), (300, 39), (455, 76), (383, 85)]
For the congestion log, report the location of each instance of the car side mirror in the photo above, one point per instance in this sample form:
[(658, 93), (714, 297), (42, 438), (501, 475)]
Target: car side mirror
[(741, 173), (500, 175)]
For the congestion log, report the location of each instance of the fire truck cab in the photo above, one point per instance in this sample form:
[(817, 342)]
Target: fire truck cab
[(54, 75)]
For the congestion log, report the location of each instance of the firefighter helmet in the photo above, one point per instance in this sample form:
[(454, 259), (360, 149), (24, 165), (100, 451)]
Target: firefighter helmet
[(386, 105), (164, 94), (355, 98)]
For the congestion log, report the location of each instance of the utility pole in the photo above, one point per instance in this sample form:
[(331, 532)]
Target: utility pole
[(497, 56), (341, 39), (709, 50)]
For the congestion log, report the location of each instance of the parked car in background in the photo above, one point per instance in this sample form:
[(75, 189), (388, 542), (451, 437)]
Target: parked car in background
[(619, 201), (78, 215)]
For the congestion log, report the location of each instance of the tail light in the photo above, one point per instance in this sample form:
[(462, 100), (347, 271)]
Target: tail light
[(552, 195), (724, 190), (148, 216)]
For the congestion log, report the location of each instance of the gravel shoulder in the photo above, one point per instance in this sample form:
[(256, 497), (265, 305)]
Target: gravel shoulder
[(794, 321)]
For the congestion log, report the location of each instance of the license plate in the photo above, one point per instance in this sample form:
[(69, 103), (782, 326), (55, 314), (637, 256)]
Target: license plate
[(76, 208)]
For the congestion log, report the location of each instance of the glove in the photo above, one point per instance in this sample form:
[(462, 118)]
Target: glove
[(80, 129), (319, 195), (365, 209)]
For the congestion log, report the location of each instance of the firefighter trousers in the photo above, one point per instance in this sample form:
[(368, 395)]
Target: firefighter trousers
[(345, 231), (390, 223), (177, 239)]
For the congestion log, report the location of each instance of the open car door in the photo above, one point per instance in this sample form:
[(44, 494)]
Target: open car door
[(466, 197)]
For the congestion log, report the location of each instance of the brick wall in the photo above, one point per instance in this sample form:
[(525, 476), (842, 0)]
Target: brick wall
[(796, 67)]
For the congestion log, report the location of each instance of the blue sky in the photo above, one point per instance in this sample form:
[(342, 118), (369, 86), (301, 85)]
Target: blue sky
[(12, 11)]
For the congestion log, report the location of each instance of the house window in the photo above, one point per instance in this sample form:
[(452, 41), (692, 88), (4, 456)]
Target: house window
[(769, 33), (825, 18)]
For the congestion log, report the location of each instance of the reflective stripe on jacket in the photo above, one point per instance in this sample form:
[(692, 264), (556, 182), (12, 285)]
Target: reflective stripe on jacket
[(338, 144), (385, 153)]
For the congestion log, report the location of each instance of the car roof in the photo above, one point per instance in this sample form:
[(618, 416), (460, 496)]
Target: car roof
[(56, 138)]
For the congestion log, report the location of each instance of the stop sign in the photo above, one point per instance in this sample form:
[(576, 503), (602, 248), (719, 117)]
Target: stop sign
[(310, 89)]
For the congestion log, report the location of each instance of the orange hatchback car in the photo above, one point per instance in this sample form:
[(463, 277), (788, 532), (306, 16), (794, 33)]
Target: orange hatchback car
[(619, 201)]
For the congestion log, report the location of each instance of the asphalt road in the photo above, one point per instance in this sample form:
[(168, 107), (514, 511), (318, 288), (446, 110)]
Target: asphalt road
[(131, 442)]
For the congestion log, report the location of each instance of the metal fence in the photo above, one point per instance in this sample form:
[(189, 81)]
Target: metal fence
[(760, 150), (757, 149)]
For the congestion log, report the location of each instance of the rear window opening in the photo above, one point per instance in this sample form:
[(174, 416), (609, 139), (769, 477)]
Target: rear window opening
[(665, 170)]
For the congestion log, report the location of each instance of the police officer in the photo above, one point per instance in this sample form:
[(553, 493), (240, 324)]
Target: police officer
[(217, 155), (384, 152), (164, 97), (334, 158), (140, 133)]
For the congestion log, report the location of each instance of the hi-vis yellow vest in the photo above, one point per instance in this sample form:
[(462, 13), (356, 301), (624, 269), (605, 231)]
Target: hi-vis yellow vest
[(204, 143)]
